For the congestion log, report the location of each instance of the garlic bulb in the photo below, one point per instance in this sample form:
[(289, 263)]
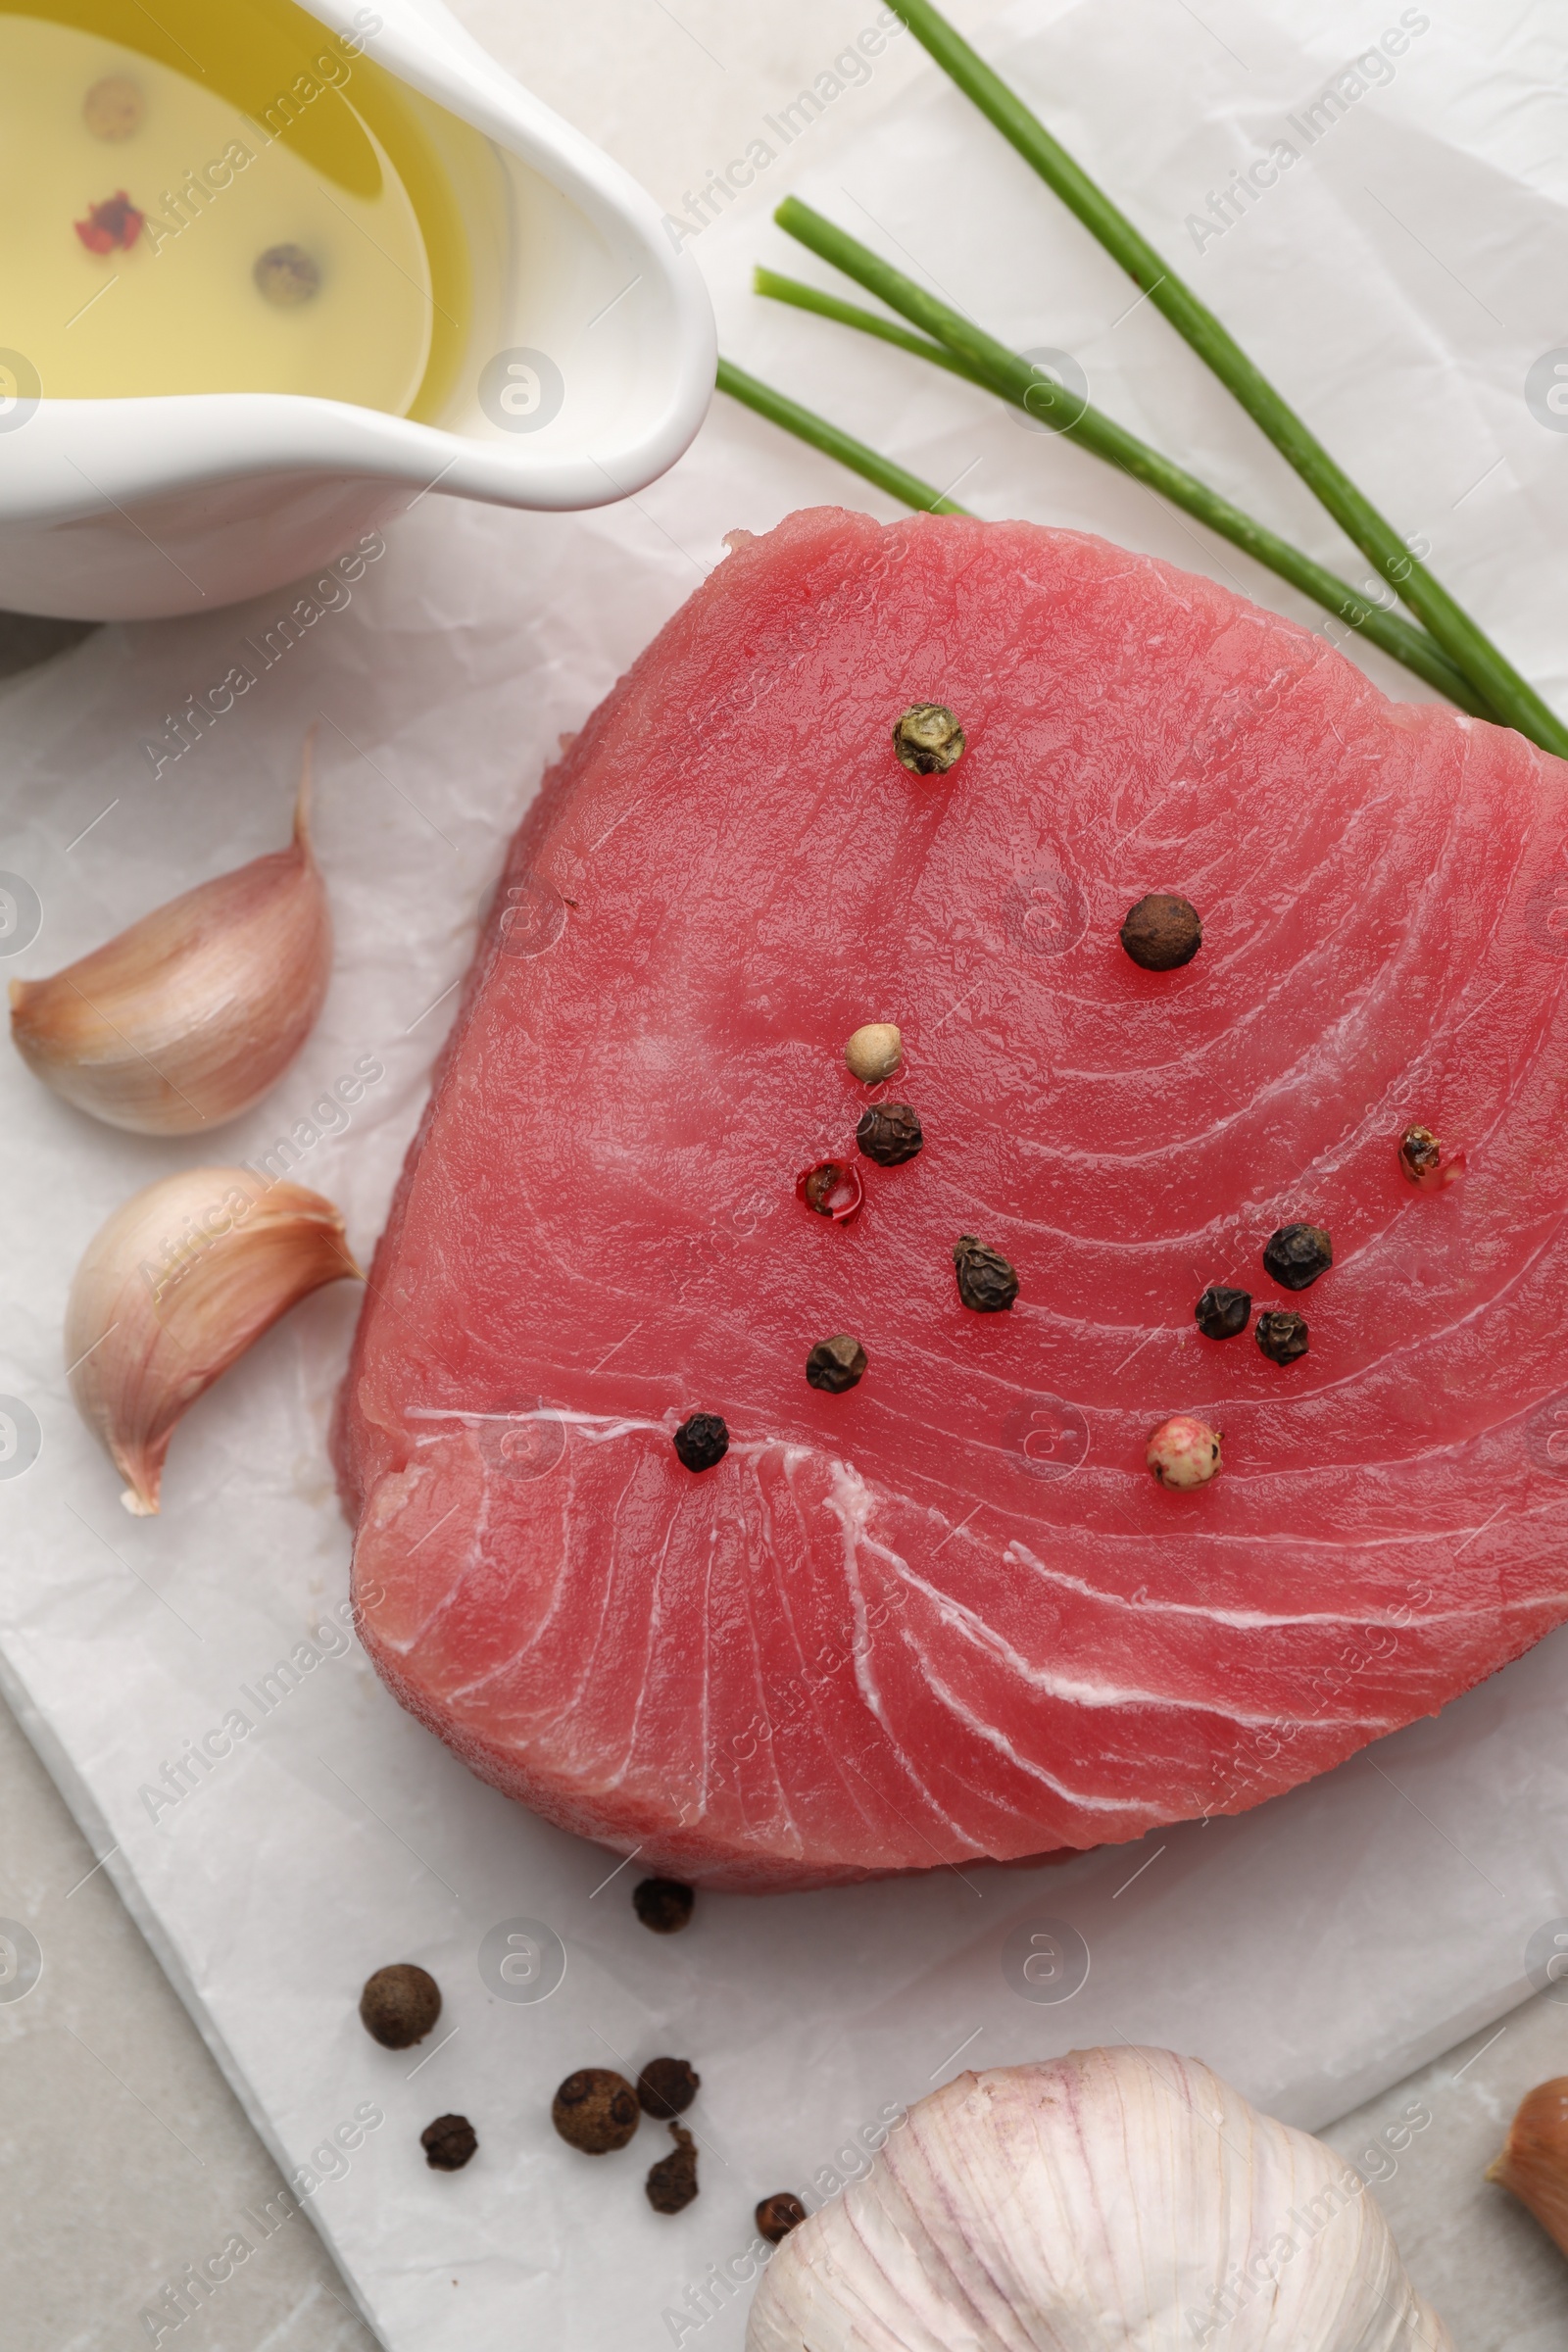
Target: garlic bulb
[(1112, 2201), (1534, 2164), (189, 1016), (174, 1290)]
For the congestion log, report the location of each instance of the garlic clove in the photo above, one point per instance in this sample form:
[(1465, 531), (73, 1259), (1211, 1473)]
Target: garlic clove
[(1533, 2163), (173, 1289), (189, 1016)]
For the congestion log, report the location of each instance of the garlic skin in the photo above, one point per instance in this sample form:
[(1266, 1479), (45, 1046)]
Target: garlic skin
[(1533, 2163), (189, 1016), (1120, 2200), (172, 1291)]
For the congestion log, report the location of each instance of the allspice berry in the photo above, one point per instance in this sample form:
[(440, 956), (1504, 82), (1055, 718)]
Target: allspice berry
[(836, 1365), (1222, 1314), (778, 2215), (596, 2110), (1161, 933), (448, 2143), (666, 2086), (1282, 1334), (671, 2182), (874, 1052), (987, 1282), (399, 2005), (702, 1442), (1296, 1254), (928, 740), (664, 1904), (890, 1133)]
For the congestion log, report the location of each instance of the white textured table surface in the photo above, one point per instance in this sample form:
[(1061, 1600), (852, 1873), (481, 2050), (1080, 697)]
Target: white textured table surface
[(122, 2155)]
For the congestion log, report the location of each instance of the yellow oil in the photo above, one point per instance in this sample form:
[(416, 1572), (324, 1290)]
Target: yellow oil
[(299, 234)]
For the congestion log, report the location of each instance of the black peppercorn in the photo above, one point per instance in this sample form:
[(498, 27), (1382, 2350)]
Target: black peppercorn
[(449, 2142), (1282, 1334), (671, 2182), (836, 1365), (287, 276), (889, 1133), (702, 1442), (1296, 1254), (596, 2110), (986, 1281), (778, 2215), (664, 1904), (1222, 1314), (666, 2086), (399, 2005), (928, 740), (1161, 933), (1420, 1152)]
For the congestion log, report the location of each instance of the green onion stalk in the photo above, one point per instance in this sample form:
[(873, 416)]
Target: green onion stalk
[(817, 432), (1510, 696), (968, 350)]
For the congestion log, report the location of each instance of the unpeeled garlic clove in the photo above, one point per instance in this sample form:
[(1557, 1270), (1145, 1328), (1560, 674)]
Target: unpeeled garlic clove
[(174, 1290), (1533, 2163), (189, 1016)]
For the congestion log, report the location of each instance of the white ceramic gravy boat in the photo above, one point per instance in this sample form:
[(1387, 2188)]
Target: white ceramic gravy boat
[(114, 510)]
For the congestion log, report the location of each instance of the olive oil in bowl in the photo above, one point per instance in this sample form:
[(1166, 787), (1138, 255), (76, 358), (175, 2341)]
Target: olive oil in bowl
[(265, 282), (225, 197)]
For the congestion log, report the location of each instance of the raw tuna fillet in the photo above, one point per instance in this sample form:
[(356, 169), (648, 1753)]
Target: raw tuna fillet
[(949, 1613)]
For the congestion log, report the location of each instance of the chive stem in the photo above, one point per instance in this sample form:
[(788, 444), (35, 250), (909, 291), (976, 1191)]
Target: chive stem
[(817, 433), (990, 363), (1511, 696), (802, 297)]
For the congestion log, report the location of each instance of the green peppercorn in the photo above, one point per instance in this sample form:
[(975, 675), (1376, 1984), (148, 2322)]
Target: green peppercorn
[(1282, 1334), (1296, 1254), (114, 110), (1221, 1313), (987, 1282), (928, 740), (836, 1365)]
